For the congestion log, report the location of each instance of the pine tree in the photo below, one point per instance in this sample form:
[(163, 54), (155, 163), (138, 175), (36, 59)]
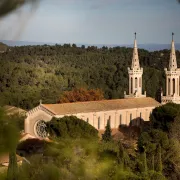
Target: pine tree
[(107, 133)]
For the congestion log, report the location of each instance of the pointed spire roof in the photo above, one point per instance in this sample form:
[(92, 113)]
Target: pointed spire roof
[(135, 58), (172, 61)]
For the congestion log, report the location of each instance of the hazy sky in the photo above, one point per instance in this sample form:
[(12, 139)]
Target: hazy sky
[(95, 22)]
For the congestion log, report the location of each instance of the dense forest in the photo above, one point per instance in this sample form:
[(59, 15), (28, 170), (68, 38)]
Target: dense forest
[(31, 73)]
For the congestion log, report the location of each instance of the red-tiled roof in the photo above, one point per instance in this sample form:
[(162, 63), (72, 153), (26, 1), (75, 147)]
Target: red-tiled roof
[(97, 106)]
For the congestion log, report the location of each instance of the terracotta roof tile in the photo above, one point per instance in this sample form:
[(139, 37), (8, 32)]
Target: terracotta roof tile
[(104, 105), (26, 136)]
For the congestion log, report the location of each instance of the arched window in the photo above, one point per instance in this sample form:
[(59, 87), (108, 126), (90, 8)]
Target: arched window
[(99, 122), (174, 86), (40, 128), (87, 120), (169, 85), (179, 87), (120, 119), (136, 83), (140, 80), (131, 85), (130, 117)]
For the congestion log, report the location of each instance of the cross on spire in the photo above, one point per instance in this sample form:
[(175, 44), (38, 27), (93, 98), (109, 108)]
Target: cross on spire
[(135, 58), (172, 61), (135, 35), (40, 101), (172, 36)]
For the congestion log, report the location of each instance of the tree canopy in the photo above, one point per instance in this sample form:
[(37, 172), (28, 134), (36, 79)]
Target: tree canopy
[(81, 94), (71, 127), (161, 141), (162, 117), (31, 73)]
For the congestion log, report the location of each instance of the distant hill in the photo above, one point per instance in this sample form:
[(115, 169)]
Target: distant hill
[(149, 47), (3, 47), (24, 43)]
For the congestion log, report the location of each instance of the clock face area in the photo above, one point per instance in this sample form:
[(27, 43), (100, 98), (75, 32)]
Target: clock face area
[(40, 129)]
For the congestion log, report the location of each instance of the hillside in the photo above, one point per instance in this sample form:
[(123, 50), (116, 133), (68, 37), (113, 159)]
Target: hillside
[(31, 73), (3, 47)]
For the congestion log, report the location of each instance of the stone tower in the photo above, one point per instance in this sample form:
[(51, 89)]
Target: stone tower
[(172, 78), (135, 76)]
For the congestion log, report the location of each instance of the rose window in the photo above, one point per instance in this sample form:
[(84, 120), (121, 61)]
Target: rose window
[(41, 129)]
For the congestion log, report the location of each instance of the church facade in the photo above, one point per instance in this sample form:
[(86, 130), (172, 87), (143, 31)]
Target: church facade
[(133, 109)]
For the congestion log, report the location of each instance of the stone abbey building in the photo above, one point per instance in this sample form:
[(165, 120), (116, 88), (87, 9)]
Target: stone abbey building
[(134, 108)]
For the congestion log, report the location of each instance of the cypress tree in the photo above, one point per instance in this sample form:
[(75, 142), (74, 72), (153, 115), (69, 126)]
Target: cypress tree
[(159, 159), (145, 162), (107, 133), (153, 162), (13, 167), (120, 154)]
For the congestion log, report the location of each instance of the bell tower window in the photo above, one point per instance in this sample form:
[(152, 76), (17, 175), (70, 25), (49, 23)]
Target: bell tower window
[(174, 87), (99, 122), (131, 85), (136, 84)]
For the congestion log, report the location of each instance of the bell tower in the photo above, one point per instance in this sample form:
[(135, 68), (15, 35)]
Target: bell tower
[(172, 78), (135, 75)]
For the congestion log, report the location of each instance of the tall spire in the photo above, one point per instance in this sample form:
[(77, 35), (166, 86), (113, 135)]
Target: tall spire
[(172, 61), (135, 76), (135, 58)]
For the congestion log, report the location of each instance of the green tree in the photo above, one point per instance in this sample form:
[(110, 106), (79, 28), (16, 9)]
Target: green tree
[(174, 129), (145, 162), (71, 127), (162, 117), (120, 154), (107, 133), (9, 137)]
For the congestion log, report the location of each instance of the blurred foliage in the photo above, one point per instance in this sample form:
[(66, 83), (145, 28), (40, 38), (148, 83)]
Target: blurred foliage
[(9, 137), (7, 6), (9, 131)]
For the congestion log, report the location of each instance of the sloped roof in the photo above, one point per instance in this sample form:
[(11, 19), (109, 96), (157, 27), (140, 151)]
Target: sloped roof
[(10, 110), (96, 106), (26, 136)]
